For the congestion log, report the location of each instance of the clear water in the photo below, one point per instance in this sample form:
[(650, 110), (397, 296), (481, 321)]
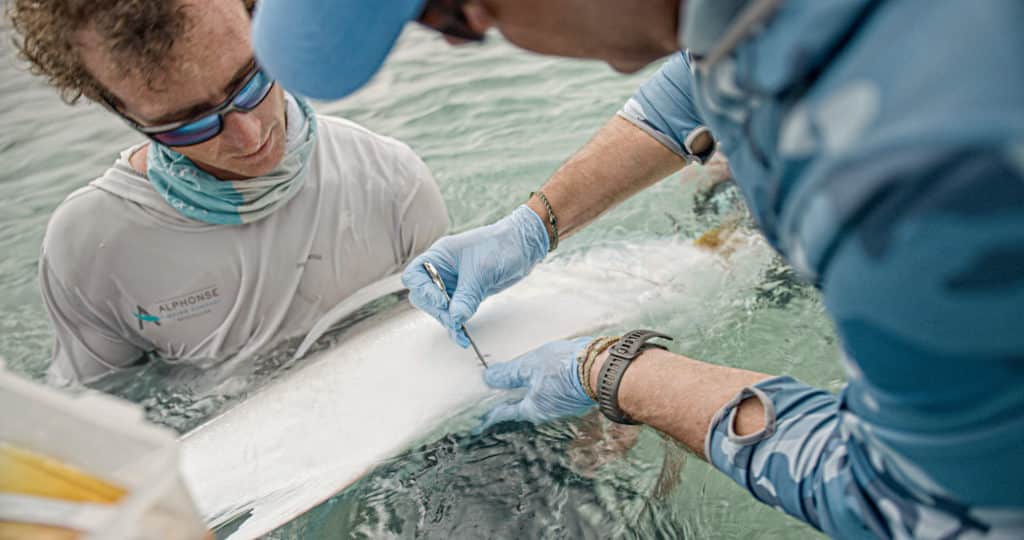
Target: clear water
[(493, 123)]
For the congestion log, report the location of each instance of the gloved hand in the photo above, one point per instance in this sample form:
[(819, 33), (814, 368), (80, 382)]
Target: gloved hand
[(553, 386), (474, 265)]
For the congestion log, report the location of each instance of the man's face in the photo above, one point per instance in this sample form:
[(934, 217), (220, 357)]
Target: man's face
[(626, 35), (205, 66)]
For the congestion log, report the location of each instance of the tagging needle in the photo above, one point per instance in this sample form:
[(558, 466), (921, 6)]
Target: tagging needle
[(436, 278)]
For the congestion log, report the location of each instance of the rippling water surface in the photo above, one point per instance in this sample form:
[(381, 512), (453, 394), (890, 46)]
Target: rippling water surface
[(492, 123)]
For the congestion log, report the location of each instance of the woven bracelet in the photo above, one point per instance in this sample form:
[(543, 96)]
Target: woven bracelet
[(581, 361), (594, 350), (551, 218)]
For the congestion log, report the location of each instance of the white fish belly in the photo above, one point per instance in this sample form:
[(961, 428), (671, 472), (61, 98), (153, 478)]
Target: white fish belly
[(393, 381)]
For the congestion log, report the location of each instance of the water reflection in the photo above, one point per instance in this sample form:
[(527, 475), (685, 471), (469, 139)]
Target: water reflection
[(513, 481)]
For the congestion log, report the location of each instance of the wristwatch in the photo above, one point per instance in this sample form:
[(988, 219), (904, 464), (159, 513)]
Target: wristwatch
[(620, 356)]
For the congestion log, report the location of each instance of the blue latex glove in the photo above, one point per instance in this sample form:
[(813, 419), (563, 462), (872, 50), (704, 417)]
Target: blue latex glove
[(552, 382), (474, 265)]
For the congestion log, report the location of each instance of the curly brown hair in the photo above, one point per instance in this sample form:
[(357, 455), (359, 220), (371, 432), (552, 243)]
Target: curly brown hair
[(139, 35)]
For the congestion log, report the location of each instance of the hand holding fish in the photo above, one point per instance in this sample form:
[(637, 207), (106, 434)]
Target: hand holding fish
[(553, 388)]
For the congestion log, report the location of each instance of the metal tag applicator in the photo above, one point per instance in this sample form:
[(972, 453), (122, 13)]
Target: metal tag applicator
[(436, 278)]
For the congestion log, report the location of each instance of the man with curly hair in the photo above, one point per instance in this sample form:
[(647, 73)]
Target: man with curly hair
[(242, 219)]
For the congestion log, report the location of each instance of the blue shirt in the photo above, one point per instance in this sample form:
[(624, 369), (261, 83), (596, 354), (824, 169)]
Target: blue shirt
[(880, 147)]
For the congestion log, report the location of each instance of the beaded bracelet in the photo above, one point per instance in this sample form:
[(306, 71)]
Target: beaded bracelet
[(551, 218)]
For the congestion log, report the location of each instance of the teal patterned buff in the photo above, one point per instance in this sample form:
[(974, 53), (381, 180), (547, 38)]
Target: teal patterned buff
[(198, 195)]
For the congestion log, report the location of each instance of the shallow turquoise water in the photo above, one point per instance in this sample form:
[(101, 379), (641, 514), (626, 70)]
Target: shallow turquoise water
[(492, 123)]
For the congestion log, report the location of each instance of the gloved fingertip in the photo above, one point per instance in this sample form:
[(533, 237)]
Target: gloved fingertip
[(462, 339), (458, 336), (501, 413), (495, 375), (455, 332), (504, 376), (461, 309), (414, 276)]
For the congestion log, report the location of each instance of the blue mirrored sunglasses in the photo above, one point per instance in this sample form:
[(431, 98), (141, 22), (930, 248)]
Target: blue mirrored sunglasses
[(251, 92)]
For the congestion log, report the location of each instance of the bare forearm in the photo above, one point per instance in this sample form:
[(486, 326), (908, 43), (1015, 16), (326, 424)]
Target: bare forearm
[(680, 396), (618, 162)]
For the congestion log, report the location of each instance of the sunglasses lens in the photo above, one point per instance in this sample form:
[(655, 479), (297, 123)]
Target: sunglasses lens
[(252, 94), (199, 131), (246, 99)]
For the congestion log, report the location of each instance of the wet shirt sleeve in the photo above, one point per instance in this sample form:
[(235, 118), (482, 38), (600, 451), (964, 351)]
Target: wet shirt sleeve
[(664, 107), (85, 349), (925, 287)]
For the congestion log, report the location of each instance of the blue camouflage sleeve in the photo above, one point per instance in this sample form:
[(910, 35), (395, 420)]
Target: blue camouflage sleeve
[(665, 109), (925, 284)]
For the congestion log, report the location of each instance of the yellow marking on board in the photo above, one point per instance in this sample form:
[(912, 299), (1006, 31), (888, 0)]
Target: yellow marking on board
[(25, 531), (29, 473)]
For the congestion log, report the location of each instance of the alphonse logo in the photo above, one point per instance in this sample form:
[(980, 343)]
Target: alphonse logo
[(145, 317), (190, 305)]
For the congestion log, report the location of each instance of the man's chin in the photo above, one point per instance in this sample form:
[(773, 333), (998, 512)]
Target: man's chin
[(263, 170), (262, 167), (627, 68), (632, 61)]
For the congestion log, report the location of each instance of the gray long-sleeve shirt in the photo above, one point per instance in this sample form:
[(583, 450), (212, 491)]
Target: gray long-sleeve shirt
[(122, 273)]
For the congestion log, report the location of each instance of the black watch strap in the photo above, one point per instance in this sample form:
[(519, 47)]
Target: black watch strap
[(610, 377)]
